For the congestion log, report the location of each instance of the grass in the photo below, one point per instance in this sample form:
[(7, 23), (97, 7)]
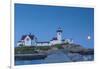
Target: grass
[(35, 49), (30, 50), (24, 50), (59, 46), (45, 48), (72, 48)]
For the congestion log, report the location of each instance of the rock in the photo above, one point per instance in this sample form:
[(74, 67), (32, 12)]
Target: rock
[(57, 56), (74, 48)]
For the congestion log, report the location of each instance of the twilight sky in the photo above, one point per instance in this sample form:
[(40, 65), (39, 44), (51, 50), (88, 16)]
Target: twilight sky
[(42, 21)]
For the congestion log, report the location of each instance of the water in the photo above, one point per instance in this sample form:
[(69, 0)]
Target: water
[(57, 57)]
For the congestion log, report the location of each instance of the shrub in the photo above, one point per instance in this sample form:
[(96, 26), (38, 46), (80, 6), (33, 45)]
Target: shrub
[(59, 46), (42, 48)]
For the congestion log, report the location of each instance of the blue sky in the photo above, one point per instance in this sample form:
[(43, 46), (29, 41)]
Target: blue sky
[(43, 20)]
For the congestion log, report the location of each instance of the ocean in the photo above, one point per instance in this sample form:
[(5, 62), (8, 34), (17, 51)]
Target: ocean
[(57, 57)]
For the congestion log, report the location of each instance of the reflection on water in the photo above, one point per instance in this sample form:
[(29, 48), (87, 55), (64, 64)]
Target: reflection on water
[(26, 62), (57, 57)]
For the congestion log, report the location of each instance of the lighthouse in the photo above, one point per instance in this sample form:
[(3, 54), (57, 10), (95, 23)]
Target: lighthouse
[(59, 34)]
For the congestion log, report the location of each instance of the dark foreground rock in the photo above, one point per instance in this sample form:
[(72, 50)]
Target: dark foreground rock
[(74, 48), (30, 56)]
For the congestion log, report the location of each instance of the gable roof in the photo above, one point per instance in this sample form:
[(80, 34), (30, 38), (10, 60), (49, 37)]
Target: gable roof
[(63, 40), (54, 38), (24, 36)]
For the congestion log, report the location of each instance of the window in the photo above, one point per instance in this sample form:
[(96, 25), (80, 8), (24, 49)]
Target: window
[(27, 39)]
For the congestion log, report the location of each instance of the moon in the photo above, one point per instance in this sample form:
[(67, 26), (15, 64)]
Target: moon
[(89, 37)]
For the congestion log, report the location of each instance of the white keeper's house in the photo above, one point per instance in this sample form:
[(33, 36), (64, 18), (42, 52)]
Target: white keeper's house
[(31, 40)]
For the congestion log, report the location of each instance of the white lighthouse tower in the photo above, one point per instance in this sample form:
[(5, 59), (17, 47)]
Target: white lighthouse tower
[(59, 35)]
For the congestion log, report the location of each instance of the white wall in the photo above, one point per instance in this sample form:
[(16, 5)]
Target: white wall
[(59, 36), (19, 43), (28, 42), (55, 42), (69, 41), (43, 44)]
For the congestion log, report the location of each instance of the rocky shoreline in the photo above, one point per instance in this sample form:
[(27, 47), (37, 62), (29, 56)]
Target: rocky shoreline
[(72, 51)]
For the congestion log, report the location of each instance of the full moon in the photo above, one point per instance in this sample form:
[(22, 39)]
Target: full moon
[(89, 37)]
